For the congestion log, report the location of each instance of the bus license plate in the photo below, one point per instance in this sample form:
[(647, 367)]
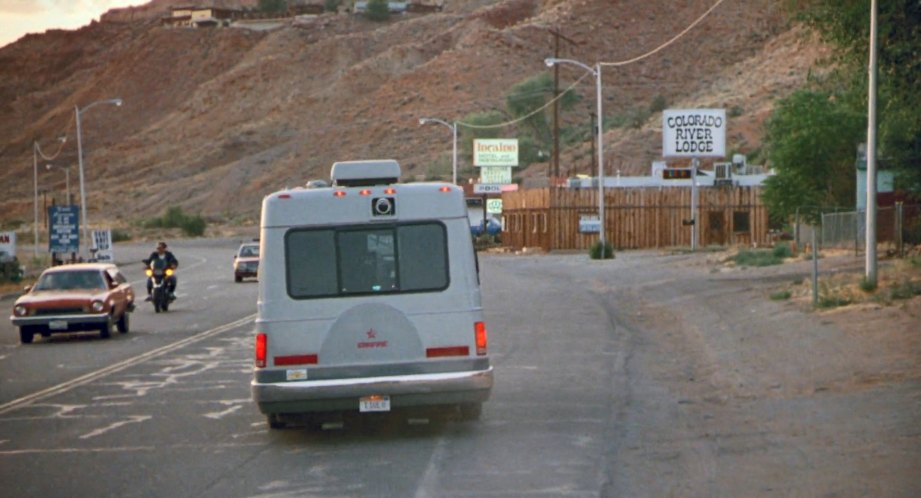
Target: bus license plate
[(374, 404)]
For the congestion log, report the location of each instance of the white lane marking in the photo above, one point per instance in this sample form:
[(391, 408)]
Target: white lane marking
[(428, 485), (133, 419), (220, 415), (130, 362), (122, 449)]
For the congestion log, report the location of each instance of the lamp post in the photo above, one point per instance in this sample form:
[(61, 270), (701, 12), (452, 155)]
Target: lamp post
[(37, 151), (77, 112), (453, 127), (66, 178), (596, 71)]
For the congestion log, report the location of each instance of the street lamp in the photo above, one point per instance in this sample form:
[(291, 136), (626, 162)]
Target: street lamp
[(66, 178), (77, 111), (453, 127), (37, 151), (596, 71)]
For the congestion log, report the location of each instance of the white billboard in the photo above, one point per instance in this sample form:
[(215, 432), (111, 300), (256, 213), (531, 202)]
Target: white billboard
[(694, 133), (495, 152)]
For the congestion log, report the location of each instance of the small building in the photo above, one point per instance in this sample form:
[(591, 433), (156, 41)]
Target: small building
[(200, 17)]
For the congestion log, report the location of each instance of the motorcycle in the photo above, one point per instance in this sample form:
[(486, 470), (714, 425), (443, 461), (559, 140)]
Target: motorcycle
[(159, 273)]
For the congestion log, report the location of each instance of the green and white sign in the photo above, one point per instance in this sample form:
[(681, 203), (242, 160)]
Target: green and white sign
[(500, 175), (494, 206), (495, 152)]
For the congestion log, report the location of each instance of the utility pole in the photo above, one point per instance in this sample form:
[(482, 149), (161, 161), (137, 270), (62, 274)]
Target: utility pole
[(555, 159), (871, 155)]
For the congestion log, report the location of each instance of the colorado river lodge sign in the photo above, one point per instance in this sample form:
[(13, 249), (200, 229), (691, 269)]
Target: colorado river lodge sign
[(694, 133)]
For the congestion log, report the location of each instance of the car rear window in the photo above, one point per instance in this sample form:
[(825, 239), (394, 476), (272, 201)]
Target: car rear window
[(356, 260)]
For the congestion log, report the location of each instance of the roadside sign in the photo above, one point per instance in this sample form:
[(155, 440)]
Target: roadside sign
[(676, 174), (487, 188), (63, 229), (496, 174), (589, 223), (102, 243), (494, 206), (495, 152), (7, 245), (694, 133)]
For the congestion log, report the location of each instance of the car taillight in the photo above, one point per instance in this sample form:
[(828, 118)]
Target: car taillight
[(261, 349), (479, 329)]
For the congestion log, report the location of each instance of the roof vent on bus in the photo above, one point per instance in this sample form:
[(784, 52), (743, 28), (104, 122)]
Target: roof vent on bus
[(365, 173)]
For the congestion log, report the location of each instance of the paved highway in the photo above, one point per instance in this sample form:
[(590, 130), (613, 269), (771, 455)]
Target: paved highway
[(629, 377)]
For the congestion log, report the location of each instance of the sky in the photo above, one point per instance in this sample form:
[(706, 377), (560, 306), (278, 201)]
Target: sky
[(19, 17)]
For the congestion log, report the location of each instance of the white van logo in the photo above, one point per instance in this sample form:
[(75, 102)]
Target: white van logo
[(371, 343)]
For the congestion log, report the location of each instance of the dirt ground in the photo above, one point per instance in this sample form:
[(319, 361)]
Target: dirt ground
[(775, 397)]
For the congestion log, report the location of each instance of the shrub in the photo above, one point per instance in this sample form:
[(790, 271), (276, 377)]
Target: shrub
[(595, 251), (193, 226), (867, 285), (120, 236), (782, 251), (331, 5), (378, 10), (746, 257), (781, 295)]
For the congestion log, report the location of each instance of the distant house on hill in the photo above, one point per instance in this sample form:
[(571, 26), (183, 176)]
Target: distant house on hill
[(200, 17)]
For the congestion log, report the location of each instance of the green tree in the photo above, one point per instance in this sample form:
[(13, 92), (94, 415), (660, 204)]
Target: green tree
[(846, 25), (528, 96), (331, 5), (273, 5), (811, 141), (378, 10)]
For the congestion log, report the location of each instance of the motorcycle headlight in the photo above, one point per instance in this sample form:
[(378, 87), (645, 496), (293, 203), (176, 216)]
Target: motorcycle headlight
[(20, 310), (169, 272), (98, 306), (149, 272)]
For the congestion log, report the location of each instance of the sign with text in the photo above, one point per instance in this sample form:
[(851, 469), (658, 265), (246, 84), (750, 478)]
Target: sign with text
[(494, 206), (495, 152), (589, 223), (7, 244), (63, 229), (102, 243), (694, 133), (496, 174)]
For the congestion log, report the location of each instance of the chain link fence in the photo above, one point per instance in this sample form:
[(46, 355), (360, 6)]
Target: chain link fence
[(896, 227)]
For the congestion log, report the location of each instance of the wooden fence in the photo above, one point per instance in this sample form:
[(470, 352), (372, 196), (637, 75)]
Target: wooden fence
[(635, 218)]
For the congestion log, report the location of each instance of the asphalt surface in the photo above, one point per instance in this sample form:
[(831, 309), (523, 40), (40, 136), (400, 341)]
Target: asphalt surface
[(648, 375)]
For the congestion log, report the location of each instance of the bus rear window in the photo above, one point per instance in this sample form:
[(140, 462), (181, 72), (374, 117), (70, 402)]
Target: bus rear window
[(355, 260)]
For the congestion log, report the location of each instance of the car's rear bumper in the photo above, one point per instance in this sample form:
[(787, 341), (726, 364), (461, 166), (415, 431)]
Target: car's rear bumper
[(343, 394)]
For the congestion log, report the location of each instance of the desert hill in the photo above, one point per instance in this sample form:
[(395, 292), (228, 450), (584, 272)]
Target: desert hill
[(215, 119)]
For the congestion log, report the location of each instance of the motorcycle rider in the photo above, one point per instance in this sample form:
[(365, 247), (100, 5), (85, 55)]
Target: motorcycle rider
[(171, 262)]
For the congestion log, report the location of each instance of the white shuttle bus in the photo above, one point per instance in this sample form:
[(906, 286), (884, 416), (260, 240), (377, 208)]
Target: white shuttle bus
[(369, 299)]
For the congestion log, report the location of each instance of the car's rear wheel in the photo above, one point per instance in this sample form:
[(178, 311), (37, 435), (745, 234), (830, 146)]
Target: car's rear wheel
[(237, 278), (26, 334), (123, 323), (275, 421)]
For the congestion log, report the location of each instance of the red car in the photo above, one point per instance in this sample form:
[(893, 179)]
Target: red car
[(72, 298)]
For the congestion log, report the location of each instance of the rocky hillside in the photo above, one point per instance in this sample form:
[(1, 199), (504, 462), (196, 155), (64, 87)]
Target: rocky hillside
[(214, 119)]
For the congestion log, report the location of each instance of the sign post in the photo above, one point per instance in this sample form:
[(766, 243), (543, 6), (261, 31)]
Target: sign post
[(694, 133), (63, 229)]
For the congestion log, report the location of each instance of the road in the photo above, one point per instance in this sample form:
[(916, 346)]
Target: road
[(648, 375)]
